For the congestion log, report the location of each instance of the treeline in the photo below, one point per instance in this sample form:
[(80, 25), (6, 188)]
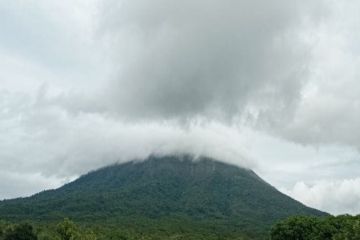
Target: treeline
[(344, 227), (68, 230), (65, 230)]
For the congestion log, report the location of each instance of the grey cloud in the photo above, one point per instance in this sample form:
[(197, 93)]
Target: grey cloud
[(329, 110), (182, 59)]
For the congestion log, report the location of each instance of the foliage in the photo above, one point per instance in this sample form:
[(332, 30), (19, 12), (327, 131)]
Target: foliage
[(294, 228), (69, 230), (22, 231), (343, 227)]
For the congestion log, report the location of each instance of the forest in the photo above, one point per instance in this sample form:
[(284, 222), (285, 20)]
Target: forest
[(343, 227)]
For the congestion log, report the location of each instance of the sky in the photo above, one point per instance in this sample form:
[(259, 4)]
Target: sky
[(271, 86)]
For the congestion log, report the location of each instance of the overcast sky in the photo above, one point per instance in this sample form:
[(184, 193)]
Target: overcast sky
[(272, 86)]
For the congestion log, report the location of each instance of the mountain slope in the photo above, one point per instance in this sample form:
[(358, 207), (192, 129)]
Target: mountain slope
[(171, 188)]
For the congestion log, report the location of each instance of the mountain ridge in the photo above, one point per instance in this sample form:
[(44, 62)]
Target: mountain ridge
[(204, 192)]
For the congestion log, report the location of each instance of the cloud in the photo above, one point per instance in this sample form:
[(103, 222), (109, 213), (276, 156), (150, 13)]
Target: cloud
[(184, 59), (250, 79), (38, 136), (49, 42), (12, 183), (329, 110), (337, 197)]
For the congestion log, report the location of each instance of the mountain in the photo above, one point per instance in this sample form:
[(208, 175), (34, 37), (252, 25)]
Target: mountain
[(170, 192)]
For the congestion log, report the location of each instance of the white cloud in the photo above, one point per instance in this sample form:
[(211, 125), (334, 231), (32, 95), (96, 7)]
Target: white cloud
[(11, 183), (38, 136), (336, 197)]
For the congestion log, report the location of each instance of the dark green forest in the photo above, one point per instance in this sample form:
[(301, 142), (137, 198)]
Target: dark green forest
[(343, 227), (69, 230)]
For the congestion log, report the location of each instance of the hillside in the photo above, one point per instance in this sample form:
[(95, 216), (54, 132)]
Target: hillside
[(173, 192)]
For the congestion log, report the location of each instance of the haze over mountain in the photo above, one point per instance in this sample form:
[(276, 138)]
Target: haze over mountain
[(163, 191)]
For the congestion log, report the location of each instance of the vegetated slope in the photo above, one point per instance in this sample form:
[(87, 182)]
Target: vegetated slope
[(172, 192)]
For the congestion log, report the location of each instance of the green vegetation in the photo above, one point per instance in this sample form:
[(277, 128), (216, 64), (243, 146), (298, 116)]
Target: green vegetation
[(65, 230), (294, 228), (343, 227), (169, 197), (68, 230), (22, 231)]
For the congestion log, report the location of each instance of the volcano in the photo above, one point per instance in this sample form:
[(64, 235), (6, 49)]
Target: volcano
[(168, 192)]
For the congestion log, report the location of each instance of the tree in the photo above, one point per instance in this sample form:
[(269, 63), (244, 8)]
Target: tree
[(68, 230), (22, 231), (299, 228)]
